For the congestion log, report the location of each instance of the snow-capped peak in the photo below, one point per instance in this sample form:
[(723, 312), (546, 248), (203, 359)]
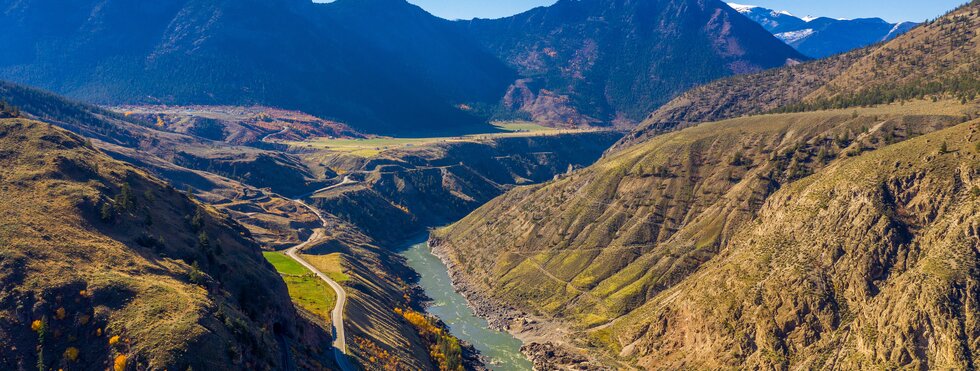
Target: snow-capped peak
[(742, 8), (809, 18)]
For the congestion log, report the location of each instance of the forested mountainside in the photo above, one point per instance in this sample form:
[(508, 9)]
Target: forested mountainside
[(821, 37), (385, 66), (939, 57), (410, 74), (100, 261), (830, 237), (594, 61)]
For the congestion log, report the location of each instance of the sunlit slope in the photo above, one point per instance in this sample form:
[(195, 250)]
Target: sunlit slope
[(870, 263), (115, 263), (596, 245)]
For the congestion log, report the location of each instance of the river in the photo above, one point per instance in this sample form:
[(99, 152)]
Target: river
[(502, 349)]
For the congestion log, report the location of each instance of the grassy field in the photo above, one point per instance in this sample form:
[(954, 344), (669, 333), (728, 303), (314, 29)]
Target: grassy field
[(371, 147), (329, 265), (306, 290)]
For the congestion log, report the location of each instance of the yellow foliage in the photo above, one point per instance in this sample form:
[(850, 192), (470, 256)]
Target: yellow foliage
[(71, 354), (84, 319), (98, 332), (59, 313), (36, 325), (120, 363), (113, 340)]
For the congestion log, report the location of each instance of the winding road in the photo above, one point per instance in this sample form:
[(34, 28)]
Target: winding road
[(337, 314)]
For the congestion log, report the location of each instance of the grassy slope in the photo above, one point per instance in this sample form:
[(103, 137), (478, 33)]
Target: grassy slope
[(306, 290), (868, 264), (143, 273), (597, 245)]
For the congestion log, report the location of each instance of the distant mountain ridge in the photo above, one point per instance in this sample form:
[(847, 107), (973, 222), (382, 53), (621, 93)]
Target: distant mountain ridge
[(821, 37), (592, 61), (384, 66), (410, 73)]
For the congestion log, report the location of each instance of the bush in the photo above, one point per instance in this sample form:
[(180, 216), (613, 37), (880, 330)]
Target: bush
[(107, 212)]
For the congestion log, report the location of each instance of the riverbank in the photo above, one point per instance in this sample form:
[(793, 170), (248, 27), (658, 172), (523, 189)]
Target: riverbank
[(545, 344), (499, 350)]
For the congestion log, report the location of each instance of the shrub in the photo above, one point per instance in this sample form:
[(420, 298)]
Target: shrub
[(71, 354), (120, 363), (107, 212), (196, 276)]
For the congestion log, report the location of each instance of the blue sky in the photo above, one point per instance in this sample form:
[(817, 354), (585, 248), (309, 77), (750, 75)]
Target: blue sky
[(891, 10)]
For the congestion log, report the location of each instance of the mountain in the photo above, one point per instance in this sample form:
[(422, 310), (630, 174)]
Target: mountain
[(105, 265), (592, 61), (839, 233), (409, 75), (822, 37), (384, 66), (938, 58)]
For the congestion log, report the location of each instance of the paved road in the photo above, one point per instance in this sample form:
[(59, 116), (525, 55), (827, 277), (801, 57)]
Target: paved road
[(284, 130), (347, 180), (337, 314)]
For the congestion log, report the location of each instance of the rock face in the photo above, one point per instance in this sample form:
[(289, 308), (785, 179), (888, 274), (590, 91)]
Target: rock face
[(616, 60), (92, 249)]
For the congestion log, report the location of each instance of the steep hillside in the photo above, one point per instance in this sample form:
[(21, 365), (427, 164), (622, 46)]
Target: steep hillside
[(409, 74), (872, 263), (822, 37), (100, 260), (936, 59), (591, 61), (581, 252), (399, 194)]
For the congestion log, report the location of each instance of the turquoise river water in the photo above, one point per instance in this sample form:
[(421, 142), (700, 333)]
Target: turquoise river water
[(502, 349)]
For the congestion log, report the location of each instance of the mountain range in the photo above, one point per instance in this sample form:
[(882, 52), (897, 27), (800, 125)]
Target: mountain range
[(820, 37), (822, 215), (765, 211), (384, 66)]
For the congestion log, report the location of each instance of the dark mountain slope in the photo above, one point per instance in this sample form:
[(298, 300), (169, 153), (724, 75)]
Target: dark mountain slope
[(823, 37), (101, 261), (287, 53), (604, 60)]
